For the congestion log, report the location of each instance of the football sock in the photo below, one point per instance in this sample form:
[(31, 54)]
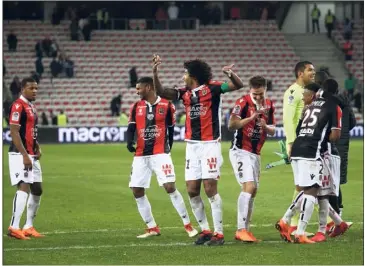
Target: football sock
[(293, 208), (19, 202), (144, 208), (32, 208), (295, 217), (336, 218), (242, 207), (249, 213), (197, 206), (333, 200), (323, 214), (179, 204), (306, 211), (217, 214)]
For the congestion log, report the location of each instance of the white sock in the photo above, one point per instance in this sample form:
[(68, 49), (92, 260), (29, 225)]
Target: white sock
[(323, 214), (249, 214), (179, 204), (32, 208), (197, 205), (293, 208), (217, 214), (336, 218), (243, 206), (19, 202), (306, 211), (144, 208)]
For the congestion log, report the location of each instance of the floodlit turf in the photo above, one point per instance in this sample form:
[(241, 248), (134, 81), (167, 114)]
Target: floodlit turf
[(90, 217)]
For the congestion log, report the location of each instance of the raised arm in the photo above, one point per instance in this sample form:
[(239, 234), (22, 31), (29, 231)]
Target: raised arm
[(167, 93), (234, 83)]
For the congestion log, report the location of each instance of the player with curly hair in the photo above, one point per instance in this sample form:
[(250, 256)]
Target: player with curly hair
[(201, 97)]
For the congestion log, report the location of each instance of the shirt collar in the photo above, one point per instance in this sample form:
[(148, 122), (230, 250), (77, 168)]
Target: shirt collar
[(25, 99), (198, 88), (156, 102)]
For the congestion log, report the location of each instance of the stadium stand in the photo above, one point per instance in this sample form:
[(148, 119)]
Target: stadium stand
[(101, 66), (356, 66)]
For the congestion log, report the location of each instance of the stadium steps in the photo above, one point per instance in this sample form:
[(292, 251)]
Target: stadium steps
[(320, 50)]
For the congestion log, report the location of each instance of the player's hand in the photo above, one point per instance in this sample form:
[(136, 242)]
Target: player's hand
[(254, 115), (38, 154), (228, 70), (156, 61), (27, 161), (130, 147), (262, 122)]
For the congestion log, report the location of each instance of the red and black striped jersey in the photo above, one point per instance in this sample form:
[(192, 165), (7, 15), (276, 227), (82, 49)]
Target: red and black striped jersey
[(23, 114), (203, 111), (252, 137), (152, 122)]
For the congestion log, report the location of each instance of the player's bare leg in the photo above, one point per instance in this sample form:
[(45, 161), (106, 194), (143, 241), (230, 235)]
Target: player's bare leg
[(197, 206), (179, 204), (245, 209), (306, 211), (144, 208), (211, 190), (34, 200), (19, 203)]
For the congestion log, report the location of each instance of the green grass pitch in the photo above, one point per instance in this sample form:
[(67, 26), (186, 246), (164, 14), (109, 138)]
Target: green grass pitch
[(90, 217)]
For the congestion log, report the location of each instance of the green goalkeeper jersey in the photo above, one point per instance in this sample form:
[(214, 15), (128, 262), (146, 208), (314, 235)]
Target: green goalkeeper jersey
[(292, 110)]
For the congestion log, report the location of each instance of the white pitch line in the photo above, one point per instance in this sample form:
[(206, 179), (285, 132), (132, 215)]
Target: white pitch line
[(105, 230), (173, 244)]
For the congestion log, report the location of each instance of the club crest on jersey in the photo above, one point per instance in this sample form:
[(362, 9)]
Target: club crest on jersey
[(204, 92), (161, 111), (150, 116), (17, 106)]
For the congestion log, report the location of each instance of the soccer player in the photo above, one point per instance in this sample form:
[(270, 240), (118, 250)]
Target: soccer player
[(24, 156), (202, 100), (321, 123), (348, 123), (153, 120), (292, 111), (332, 161), (252, 119)]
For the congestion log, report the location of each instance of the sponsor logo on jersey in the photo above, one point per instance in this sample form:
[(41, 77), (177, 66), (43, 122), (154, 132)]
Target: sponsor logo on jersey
[(150, 132), (198, 110)]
